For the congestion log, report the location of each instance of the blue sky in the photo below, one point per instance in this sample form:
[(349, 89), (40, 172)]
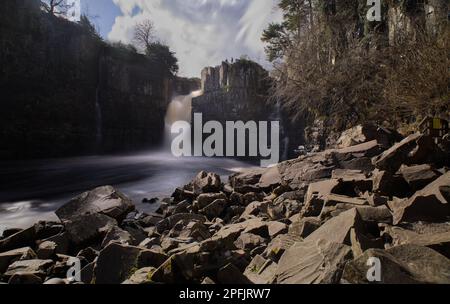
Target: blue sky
[(201, 32)]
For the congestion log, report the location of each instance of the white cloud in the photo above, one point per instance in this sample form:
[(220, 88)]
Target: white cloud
[(201, 32)]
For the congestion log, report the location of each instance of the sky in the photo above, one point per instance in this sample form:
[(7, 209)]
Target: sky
[(201, 32)]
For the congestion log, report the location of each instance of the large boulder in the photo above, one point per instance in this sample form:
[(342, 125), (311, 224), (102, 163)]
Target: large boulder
[(117, 263), (206, 182), (313, 262), (261, 270), (430, 204), (88, 228), (103, 200), (171, 221), (205, 199), (418, 176), (40, 268), (9, 257), (406, 264), (390, 185), (367, 132)]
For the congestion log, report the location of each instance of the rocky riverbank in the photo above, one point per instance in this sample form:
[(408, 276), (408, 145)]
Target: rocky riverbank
[(377, 207)]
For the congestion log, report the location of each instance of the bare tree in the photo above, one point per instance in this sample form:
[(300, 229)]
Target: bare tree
[(144, 34), (55, 7)]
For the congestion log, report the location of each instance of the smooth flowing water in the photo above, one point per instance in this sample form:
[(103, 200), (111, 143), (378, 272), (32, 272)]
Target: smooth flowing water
[(32, 190)]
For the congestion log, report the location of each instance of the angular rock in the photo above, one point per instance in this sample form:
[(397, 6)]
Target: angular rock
[(206, 183), (337, 229), (305, 226), (25, 279), (276, 228), (87, 228), (46, 250), (431, 204), (367, 132), (40, 268), (388, 184), (151, 220), (205, 199), (118, 235), (215, 209), (255, 208), (248, 241), (316, 196), (230, 275), (418, 176), (261, 271), (141, 276), (9, 257), (406, 264), (171, 221), (279, 245), (313, 262), (103, 200)]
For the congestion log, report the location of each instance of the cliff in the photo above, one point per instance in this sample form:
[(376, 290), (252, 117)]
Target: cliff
[(66, 92)]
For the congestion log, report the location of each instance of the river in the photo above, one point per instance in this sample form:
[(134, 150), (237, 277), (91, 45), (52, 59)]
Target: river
[(32, 190)]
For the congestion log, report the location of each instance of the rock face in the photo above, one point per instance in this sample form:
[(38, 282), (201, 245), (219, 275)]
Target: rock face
[(114, 99)]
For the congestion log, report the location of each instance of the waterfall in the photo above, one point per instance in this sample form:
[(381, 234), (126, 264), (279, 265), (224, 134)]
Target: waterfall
[(179, 109), (284, 139)]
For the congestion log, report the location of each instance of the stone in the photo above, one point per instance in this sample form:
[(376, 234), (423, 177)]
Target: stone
[(231, 275), (141, 276), (118, 235), (87, 228), (25, 279), (434, 236), (151, 220), (270, 179), (23, 238), (255, 208), (429, 204), (392, 159), (304, 226), (205, 199), (206, 183), (367, 132), (103, 200), (337, 229), (55, 281), (40, 268), (276, 228), (247, 180), (46, 250), (215, 209), (406, 264), (89, 254), (208, 281), (248, 241), (9, 257), (171, 221), (261, 271), (313, 262), (316, 196), (61, 241), (418, 176), (388, 184), (279, 245), (125, 260)]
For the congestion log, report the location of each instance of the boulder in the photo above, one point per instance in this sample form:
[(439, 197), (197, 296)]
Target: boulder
[(103, 200), (261, 271), (23, 238), (141, 276), (388, 184), (116, 262), (279, 245), (171, 221), (40, 268), (205, 199), (46, 250), (406, 264), (206, 183), (367, 132), (304, 226), (215, 209), (151, 220), (316, 196), (337, 229), (276, 228), (255, 208), (9, 257), (25, 279), (248, 241), (313, 262), (88, 228), (118, 235), (429, 204), (418, 176), (61, 241), (231, 275)]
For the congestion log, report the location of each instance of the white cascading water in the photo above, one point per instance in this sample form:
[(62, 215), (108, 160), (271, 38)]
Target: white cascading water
[(180, 109)]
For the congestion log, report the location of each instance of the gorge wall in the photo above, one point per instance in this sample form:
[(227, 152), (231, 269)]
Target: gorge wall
[(67, 92), (239, 91)]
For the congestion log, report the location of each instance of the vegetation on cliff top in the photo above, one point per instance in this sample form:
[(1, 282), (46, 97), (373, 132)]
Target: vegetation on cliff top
[(333, 64)]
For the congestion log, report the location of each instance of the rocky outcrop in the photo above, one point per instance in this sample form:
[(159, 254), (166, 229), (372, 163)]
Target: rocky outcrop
[(67, 92), (309, 220)]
